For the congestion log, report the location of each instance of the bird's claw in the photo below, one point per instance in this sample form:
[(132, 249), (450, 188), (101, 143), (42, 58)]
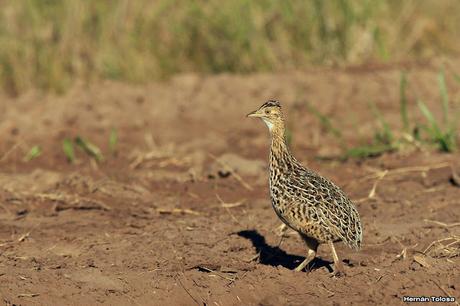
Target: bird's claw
[(338, 273)]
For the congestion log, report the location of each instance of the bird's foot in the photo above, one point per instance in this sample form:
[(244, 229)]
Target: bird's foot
[(300, 267), (310, 256), (338, 272)]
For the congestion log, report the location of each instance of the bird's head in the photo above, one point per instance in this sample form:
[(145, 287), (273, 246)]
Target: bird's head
[(270, 112)]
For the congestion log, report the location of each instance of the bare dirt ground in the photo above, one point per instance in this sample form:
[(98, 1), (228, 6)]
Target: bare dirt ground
[(181, 214)]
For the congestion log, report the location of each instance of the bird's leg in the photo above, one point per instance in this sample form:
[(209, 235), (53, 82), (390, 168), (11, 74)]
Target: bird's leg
[(312, 246), (281, 230), (310, 256), (338, 266)]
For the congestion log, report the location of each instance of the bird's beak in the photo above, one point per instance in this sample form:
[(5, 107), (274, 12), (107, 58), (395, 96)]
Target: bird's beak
[(254, 114)]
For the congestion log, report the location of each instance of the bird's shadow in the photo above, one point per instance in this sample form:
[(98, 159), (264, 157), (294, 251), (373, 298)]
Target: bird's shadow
[(274, 256)]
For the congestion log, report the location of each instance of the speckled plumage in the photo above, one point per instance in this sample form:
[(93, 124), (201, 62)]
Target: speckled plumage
[(305, 201)]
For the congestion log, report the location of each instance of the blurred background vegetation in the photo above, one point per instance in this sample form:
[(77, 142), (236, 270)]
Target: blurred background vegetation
[(50, 44)]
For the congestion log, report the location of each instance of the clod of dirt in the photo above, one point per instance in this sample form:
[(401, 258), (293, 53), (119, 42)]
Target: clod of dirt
[(241, 165), (455, 178), (66, 250), (22, 212), (95, 279)]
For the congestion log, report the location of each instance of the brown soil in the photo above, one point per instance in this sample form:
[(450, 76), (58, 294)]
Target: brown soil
[(147, 226)]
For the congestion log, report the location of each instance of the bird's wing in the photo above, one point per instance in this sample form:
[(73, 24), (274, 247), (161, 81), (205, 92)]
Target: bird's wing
[(328, 206)]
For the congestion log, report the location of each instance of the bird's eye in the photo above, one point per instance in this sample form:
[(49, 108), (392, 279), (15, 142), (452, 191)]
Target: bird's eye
[(267, 111)]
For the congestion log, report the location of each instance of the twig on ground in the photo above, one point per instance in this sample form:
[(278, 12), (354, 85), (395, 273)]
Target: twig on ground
[(23, 237), (442, 224), (422, 260), (380, 277), (380, 177), (230, 205), (257, 256), (7, 153), (391, 172), (194, 195), (72, 202), (331, 293), (228, 210), (169, 211), (28, 295), (218, 274), (188, 292), (155, 153), (372, 192), (444, 291), (403, 253)]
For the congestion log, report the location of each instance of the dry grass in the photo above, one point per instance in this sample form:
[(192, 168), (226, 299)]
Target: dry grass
[(444, 248), (51, 44)]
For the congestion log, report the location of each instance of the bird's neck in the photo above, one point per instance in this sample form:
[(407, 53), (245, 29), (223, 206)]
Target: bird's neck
[(279, 150)]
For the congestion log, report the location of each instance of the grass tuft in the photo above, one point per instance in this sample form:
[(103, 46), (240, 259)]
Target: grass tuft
[(446, 139), (367, 151), (89, 148), (34, 152), (403, 102), (442, 133), (113, 141), (384, 135), (444, 95), (67, 147), (383, 142), (324, 121)]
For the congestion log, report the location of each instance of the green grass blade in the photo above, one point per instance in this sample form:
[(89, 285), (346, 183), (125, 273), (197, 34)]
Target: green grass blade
[(113, 141), (449, 142), (324, 121), (444, 96), (386, 135), (457, 77), (90, 149), (67, 147), (403, 101), (434, 129), (380, 42), (368, 151), (34, 152), (446, 141)]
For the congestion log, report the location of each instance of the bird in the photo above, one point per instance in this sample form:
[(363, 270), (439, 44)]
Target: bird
[(305, 201)]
